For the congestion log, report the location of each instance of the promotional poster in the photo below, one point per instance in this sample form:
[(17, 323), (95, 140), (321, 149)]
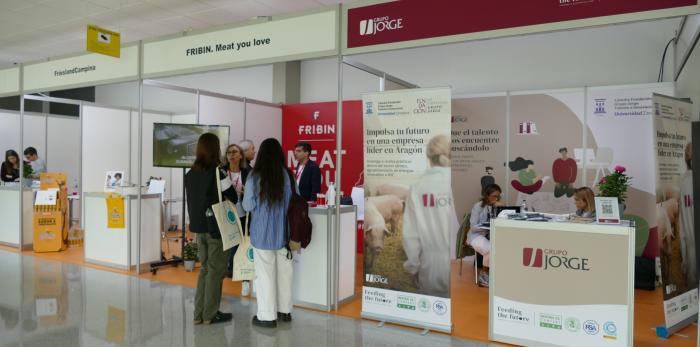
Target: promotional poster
[(409, 208), (674, 206)]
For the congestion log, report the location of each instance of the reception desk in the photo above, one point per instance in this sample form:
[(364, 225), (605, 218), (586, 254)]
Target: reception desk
[(10, 214), (316, 284), (117, 247), (561, 284)]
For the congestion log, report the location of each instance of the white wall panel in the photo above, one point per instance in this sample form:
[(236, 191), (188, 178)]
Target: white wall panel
[(105, 145)]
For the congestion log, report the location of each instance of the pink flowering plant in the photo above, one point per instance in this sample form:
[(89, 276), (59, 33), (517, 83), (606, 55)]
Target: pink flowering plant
[(615, 184)]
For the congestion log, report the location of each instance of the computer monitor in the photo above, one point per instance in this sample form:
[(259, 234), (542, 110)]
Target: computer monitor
[(498, 209)]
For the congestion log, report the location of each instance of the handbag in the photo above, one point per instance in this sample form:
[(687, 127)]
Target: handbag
[(243, 262), (226, 218)]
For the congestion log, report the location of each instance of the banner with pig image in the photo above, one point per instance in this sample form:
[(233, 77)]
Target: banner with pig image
[(409, 209)]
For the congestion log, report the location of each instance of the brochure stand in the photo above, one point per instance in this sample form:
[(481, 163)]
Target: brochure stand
[(51, 214)]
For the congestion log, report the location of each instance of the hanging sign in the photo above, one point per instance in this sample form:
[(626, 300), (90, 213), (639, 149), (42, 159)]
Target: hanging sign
[(9, 81), (103, 41)]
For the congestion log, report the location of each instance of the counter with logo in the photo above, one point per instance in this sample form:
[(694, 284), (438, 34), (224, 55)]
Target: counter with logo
[(324, 272), (111, 237), (556, 284)]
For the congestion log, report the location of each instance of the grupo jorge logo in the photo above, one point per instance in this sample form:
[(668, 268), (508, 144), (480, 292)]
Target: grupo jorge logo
[(436, 200), (377, 25), (547, 259)]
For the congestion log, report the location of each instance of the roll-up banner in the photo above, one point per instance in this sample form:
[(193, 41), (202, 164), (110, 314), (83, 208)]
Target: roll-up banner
[(409, 212), (674, 211)]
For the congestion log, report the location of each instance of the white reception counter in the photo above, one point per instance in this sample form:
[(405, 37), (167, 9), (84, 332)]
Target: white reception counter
[(111, 247), (315, 283), (10, 212)]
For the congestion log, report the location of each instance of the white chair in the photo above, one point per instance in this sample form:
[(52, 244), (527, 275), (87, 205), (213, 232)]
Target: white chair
[(578, 156), (601, 163)]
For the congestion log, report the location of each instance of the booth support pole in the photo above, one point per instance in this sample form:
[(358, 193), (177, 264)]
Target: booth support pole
[(584, 166), (21, 176), (338, 178), (139, 165), (245, 117), (382, 83), (506, 171)]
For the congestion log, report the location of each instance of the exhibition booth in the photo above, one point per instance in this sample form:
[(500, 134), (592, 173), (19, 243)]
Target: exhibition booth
[(371, 106)]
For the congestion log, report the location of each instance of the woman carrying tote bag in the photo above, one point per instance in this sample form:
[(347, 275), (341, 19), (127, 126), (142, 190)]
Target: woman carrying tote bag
[(201, 189)]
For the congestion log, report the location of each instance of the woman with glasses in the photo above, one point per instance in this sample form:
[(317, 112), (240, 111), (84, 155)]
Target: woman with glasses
[(477, 236)]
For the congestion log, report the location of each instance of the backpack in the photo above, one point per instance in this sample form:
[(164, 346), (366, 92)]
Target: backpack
[(298, 221)]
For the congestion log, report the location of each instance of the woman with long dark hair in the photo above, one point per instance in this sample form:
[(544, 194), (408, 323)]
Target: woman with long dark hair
[(268, 191), (10, 167), (201, 189)]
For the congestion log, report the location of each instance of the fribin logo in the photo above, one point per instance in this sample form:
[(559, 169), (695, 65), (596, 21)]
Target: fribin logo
[(368, 107), (599, 106), (316, 115), (377, 25), (591, 327), (553, 259)]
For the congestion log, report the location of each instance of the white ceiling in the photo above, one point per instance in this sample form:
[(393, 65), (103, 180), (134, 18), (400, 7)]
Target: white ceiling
[(35, 29)]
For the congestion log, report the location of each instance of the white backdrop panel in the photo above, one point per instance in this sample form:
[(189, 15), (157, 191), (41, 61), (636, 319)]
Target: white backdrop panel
[(147, 150), (35, 134), (63, 144), (217, 111), (9, 133), (263, 122), (105, 145)]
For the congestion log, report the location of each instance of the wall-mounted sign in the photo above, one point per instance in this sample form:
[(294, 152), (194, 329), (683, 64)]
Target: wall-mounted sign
[(83, 70), (290, 38), (103, 41), (458, 20), (9, 81)]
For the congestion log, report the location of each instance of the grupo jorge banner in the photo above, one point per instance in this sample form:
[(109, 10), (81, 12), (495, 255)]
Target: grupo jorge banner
[(408, 20), (316, 123), (409, 209), (674, 209)]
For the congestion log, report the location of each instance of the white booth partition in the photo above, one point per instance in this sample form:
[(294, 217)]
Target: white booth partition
[(9, 192)]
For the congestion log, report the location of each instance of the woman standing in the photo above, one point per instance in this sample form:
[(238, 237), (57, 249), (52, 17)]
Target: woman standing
[(10, 167), (268, 191), (201, 188), (237, 171)]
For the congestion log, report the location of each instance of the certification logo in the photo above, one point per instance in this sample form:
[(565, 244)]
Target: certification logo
[(572, 324), (439, 307), (369, 108), (406, 302), (610, 330), (591, 327), (424, 305), (550, 321)]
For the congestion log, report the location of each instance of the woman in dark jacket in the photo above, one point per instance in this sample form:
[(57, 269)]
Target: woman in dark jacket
[(201, 189), (10, 167), (237, 170)]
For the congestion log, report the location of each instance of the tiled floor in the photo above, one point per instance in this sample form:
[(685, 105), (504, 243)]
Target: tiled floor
[(49, 303)]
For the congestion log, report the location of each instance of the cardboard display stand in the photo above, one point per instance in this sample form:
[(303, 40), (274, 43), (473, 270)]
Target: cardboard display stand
[(51, 219)]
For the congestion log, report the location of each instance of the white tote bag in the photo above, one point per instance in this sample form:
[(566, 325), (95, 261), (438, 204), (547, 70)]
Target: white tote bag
[(226, 218), (243, 262)]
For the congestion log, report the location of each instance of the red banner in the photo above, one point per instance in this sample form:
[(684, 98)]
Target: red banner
[(408, 20), (316, 124)]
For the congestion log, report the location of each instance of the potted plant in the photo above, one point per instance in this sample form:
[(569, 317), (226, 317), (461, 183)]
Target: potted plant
[(27, 173), (189, 254), (615, 185)]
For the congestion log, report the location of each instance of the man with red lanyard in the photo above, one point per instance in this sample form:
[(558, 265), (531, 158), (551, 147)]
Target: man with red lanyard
[(308, 175)]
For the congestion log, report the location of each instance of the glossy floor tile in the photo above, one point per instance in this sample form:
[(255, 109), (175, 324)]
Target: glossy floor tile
[(49, 303)]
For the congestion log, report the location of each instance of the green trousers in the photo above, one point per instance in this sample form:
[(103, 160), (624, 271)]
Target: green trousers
[(211, 276)]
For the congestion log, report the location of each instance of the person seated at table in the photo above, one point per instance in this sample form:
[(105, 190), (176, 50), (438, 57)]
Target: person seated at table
[(10, 167), (477, 236), (585, 202)]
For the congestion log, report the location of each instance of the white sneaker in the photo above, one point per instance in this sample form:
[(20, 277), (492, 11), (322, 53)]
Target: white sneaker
[(245, 290)]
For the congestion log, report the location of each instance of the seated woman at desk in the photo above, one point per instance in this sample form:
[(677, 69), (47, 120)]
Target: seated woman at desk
[(585, 202), (10, 167), (477, 236)]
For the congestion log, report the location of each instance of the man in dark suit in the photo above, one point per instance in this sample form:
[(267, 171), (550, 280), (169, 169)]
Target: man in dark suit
[(308, 175)]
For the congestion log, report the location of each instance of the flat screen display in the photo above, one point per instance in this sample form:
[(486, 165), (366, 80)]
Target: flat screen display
[(174, 145)]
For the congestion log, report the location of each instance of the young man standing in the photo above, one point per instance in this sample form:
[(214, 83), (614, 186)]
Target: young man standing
[(38, 164), (308, 175), (564, 170)]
